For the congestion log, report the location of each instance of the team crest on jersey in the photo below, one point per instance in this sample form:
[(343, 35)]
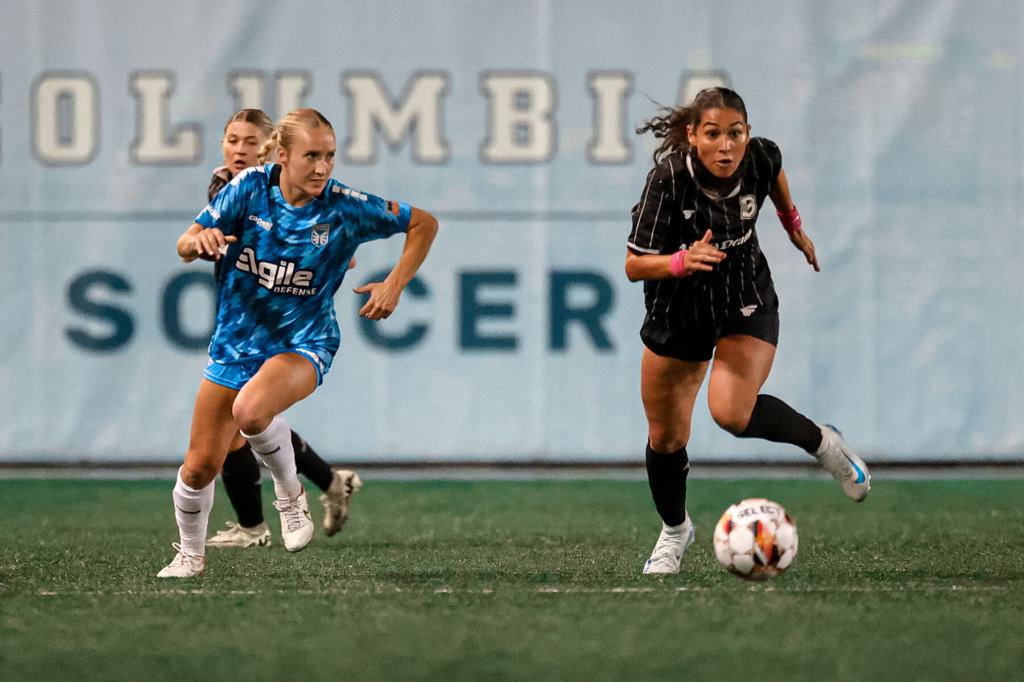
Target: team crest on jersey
[(748, 206), (321, 233)]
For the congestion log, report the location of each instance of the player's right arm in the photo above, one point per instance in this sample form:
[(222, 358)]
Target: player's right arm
[(652, 224), (211, 232), (200, 242)]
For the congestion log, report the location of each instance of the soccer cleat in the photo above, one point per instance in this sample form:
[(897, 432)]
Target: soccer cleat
[(240, 536), (835, 457), (296, 524), (668, 551), (184, 565), (337, 498)]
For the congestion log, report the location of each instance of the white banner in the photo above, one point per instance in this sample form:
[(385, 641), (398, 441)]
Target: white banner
[(900, 128)]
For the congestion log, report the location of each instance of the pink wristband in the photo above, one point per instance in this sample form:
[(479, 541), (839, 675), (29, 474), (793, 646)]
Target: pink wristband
[(677, 264), (790, 220)]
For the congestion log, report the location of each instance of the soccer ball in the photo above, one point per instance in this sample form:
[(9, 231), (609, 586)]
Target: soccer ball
[(755, 539)]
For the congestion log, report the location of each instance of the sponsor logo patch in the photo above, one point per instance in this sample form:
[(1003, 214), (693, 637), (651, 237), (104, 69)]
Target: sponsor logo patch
[(748, 206), (282, 277), (265, 224), (321, 233)]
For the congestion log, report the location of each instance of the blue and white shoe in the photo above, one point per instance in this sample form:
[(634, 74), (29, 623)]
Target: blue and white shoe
[(836, 457), (668, 551)]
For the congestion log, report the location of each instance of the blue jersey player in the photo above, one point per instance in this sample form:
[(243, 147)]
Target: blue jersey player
[(284, 234), (244, 135)]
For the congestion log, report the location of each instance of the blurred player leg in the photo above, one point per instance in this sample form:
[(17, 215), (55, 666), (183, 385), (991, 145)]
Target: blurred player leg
[(310, 464), (337, 486), (337, 498), (241, 476)]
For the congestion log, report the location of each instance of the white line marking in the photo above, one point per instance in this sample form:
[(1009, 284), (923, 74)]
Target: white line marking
[(549, 589)]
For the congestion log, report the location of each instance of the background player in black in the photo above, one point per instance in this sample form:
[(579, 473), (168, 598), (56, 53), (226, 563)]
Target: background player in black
[(709, 293), (244, 135)]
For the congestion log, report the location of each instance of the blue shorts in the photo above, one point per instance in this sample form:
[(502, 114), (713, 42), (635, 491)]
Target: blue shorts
[(238, 373)]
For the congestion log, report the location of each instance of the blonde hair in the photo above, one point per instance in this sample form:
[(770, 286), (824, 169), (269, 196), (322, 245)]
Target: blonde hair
[(254, 116), (283, 134)]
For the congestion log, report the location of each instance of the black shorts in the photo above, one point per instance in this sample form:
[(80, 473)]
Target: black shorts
[(697, 344)]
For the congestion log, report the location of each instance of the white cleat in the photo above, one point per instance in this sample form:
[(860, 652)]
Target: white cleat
[(337, 498), (668, 552), (835, 457), (240, 536), (184, 565), (296, 524)]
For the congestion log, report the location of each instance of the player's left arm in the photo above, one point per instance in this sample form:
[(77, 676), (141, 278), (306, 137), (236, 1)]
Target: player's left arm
[(786, 210), (384, 295)]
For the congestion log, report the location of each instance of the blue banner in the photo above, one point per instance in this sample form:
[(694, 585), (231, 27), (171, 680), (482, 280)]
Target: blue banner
[(899, 124)]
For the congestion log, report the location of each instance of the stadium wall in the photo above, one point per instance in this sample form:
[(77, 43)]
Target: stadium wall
[(900, 125)]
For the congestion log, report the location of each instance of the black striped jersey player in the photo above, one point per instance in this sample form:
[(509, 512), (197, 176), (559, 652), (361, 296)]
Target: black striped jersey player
[(711, 302)]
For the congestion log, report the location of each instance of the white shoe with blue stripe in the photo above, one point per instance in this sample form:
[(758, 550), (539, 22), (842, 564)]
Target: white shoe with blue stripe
[(836, 457), (668, 551)]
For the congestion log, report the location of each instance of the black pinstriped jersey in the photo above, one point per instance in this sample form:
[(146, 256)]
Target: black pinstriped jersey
[(674, 211), (221, 176)]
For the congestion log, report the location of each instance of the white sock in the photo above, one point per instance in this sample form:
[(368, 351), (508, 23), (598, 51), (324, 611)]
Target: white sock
[(274, 449), (826, 441), (192, 512)]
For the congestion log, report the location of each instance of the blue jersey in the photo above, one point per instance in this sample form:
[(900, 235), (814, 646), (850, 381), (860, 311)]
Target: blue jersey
[(276, 284)]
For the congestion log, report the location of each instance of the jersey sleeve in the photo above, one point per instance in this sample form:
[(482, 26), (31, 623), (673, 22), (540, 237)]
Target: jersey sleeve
[(372, 217), (227, 206), (653, 213), (221, 177), (772, 158)]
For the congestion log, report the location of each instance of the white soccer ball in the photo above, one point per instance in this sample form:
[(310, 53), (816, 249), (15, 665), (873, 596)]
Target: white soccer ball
[(756, 539)]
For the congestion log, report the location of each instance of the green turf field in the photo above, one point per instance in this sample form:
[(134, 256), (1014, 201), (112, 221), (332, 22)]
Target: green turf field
[(516, 580)]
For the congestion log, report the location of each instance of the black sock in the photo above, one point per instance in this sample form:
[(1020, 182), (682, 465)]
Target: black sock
[(241, 476), (666, 474), (776, 421), (310, 464)]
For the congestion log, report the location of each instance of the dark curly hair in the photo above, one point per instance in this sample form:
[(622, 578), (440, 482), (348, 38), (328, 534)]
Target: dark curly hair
[(670, 124)]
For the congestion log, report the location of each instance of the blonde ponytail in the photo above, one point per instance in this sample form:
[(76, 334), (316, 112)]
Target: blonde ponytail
[(284, 132), (268, 146)]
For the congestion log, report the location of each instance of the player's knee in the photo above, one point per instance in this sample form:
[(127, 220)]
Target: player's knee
[(667, 439), (732, 420), (250, 419), (197, 472)]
